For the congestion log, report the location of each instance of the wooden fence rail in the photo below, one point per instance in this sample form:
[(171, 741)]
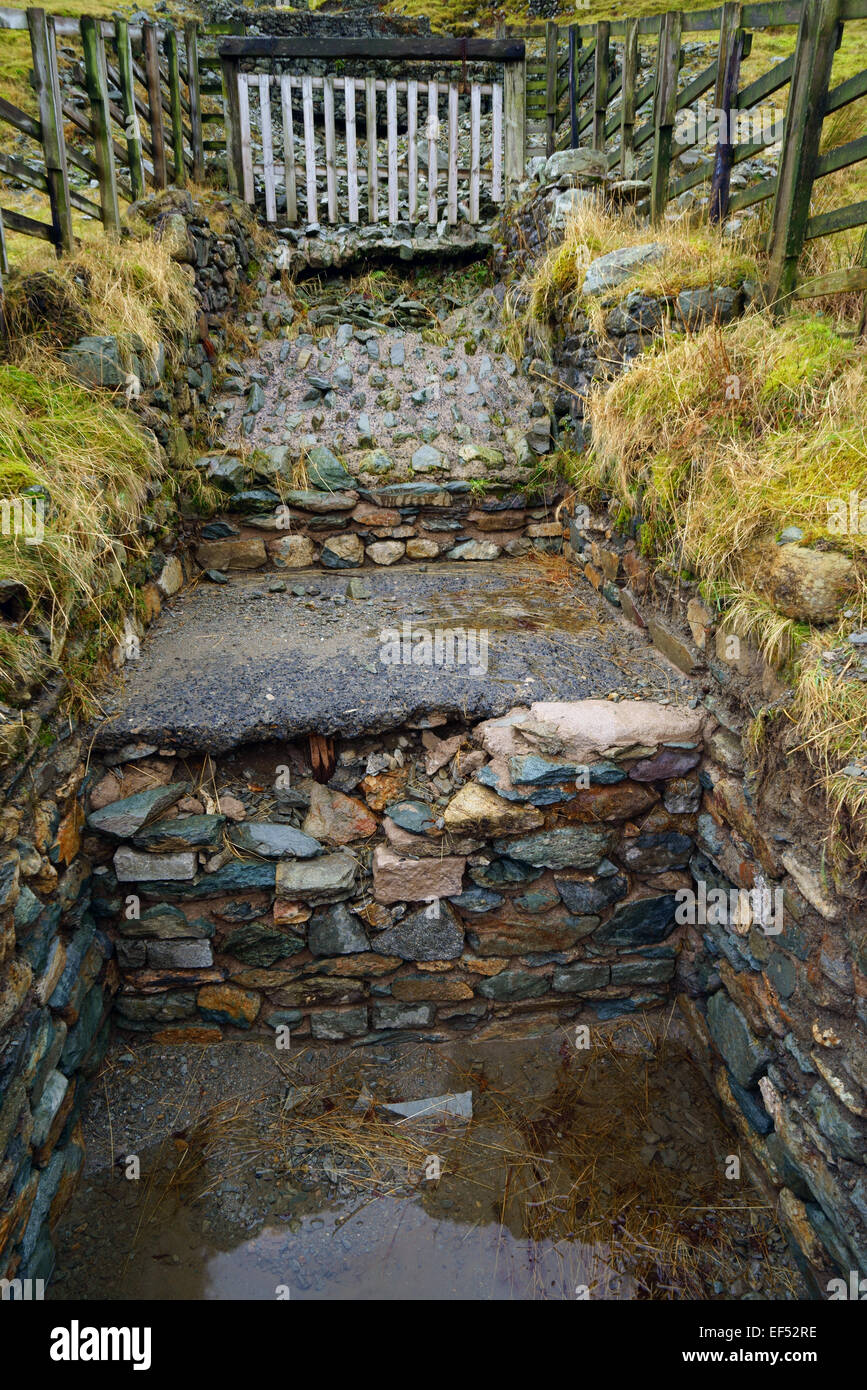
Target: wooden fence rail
[(164, 106), (641, 129), (139, 126)]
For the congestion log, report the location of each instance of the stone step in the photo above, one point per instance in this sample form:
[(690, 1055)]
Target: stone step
[(254, 658), (344, 527)]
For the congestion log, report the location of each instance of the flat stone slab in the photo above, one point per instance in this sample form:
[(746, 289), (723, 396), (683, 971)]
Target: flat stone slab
[(234, 663)]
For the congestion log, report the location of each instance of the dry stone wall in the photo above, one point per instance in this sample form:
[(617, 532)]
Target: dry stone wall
[(444, 879)]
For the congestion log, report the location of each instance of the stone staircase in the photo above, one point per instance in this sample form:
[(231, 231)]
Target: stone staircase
[(376, 444)]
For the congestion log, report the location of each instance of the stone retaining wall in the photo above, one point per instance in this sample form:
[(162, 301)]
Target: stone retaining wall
[(444, 879), (774, 989), (353, 527)]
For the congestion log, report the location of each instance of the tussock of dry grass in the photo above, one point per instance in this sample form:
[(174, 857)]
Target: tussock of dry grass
[(89, 465), (80, 454), (726, 436), (131, 290), (694, 256)]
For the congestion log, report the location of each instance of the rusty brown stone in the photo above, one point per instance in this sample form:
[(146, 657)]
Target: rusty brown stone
[(204, 1036), (337, 819), (384, 787), (435, 988), (614, 803)]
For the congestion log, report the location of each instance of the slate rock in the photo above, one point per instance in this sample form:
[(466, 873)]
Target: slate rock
[(576, 846), (514, 984), (274, 841), (746, 1057), (642, 922), (590, 896), (123, 819), (335, 931)]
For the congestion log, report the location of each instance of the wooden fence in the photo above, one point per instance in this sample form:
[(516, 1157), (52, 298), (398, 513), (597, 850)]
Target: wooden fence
[(584, 87), (266, 148), (138, 124), (157, 102)]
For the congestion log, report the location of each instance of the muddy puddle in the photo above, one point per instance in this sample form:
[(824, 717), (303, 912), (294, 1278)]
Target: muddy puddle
[(243, 1171)]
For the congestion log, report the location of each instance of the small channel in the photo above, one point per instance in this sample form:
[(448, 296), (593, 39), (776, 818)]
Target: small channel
[(263, 1173)]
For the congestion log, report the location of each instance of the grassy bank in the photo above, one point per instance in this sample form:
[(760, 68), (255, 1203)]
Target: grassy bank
[(78, 456), (717, 442)]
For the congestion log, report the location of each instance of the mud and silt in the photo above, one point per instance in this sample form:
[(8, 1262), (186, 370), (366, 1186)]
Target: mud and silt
[(269, 1173)]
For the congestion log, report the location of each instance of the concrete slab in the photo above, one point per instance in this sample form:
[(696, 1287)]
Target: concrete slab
[(236, 663)]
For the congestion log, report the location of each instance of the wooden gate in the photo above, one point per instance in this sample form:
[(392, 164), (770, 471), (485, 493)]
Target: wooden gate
[(391, 146)]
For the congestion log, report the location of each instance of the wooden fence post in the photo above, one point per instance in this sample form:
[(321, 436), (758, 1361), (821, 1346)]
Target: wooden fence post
[(150, 54), (731, 48), (574, 58), (44, 49), (191, 41), (132, 130), (96, 81), (601, 62), (818, 35), (627, 100), (551, 33), (665, 110), (514, 121), (232, 118), (179, 176), (862, 320)]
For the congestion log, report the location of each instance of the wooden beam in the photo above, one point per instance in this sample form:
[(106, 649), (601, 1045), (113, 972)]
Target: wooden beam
[(839, 220), (818, 36), (731, 46), (232, 112), (131, 127), (191, 47), (847, 281), (627, 105), (424, 48), (47, 85), (514, 121), (665, 110), (155, 104), (96, 81), (600, 82), (179, 174), (14, 116), (574, 65), (550, 86), (862, 321), (28, 226)]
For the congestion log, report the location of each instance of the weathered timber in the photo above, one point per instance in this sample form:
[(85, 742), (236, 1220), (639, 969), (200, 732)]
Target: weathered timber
[(47, 85)]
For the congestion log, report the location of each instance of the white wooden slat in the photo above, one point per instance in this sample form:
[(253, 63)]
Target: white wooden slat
[(411, 146), (330, 171), (246, 150), (497, 143), (351, 148), (433, 135), (453, 154), (372, 157), (288, 148), (391, 129), (309, 149), (475, 149), (267, 148)]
